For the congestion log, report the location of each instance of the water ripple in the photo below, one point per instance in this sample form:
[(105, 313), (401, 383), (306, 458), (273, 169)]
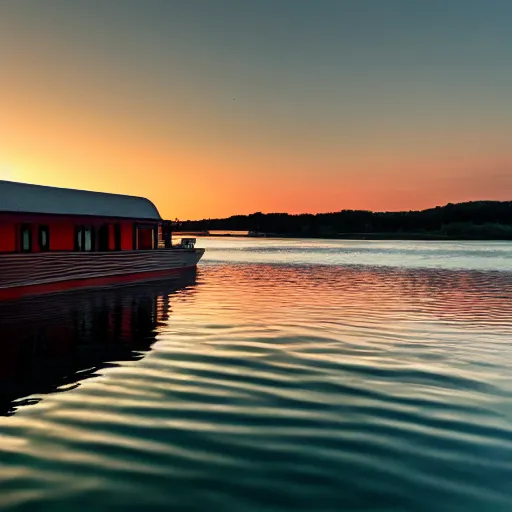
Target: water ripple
[(254, 386)]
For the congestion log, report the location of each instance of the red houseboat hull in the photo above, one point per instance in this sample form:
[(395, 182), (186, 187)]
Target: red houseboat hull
[(37, 273)]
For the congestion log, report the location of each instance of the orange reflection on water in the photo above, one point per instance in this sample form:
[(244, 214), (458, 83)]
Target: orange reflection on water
[(260, 293)]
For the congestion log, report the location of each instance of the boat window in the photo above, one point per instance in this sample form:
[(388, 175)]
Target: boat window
[(87, 239), (26, 238), (78, 238), (44, 238), (84, 238)]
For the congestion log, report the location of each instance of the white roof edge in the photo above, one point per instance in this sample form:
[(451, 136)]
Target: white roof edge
[(30, 198)]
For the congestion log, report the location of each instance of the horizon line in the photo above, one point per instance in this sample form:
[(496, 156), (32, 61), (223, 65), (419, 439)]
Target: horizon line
[(350, 210)]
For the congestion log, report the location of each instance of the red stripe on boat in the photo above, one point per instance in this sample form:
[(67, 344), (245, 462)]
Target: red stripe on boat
[(95, 282)]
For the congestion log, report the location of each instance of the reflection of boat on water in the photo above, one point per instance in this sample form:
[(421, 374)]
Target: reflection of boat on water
[(55, 341)]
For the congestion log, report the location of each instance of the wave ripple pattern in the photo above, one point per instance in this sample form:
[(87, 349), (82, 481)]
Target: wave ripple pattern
[(264, 383)]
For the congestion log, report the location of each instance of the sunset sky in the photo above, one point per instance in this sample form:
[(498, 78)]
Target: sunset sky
[(218, 107)]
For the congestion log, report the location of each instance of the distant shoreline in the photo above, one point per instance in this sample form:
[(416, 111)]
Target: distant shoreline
[(405, 236), (433, 237), (477, 220)]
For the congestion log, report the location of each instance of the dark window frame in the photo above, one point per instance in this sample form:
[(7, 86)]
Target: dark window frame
[(103, 238), (23, 228), (145, 225), (43, 228), (81, 229)]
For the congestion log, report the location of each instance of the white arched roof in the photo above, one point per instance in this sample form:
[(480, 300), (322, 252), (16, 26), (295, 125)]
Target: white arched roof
[(26, 198)]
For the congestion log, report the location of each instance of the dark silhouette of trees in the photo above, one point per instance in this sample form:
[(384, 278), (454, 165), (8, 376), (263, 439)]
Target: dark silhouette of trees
[(471, 220)]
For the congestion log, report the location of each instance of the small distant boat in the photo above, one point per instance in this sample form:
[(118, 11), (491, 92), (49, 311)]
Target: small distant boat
[(256, 234), (54, 239)]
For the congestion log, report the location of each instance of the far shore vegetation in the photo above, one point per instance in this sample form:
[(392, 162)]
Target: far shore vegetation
[(475, 220)]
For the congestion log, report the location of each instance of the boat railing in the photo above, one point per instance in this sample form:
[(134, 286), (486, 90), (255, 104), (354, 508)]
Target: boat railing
[(184, 243)]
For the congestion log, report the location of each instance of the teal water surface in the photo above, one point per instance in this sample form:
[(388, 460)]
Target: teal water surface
[(283, 375)]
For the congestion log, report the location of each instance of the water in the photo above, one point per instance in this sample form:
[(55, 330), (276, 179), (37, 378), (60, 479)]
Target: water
[(284, 375)]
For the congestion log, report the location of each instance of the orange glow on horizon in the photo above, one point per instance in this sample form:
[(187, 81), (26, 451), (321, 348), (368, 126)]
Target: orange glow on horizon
[(189, 175), (217, 112)]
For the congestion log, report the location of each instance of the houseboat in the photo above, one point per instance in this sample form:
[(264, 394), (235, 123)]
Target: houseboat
[(54, 239)]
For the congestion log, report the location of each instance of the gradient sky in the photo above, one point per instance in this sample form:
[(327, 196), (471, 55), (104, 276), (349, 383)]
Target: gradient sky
[(217, 107)]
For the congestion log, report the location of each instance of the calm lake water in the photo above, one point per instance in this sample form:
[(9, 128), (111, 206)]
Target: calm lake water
[(283, 375)]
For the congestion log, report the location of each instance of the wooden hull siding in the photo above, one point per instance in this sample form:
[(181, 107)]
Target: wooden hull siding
[(30, 274)]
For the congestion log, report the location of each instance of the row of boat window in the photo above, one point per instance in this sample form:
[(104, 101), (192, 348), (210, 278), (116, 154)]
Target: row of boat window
[(87, 238), (43, 238)]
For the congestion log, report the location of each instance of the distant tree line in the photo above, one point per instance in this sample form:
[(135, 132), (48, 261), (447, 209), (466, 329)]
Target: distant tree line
[(470, 220)]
